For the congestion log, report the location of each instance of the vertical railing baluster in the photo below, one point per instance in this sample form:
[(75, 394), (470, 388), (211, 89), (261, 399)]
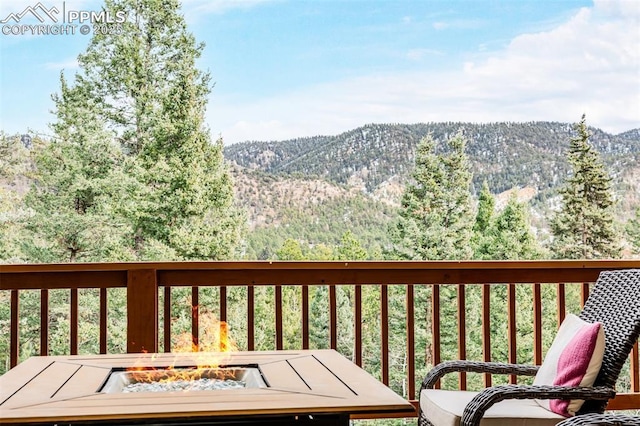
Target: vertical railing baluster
[(223, 326), (44, 322), (104, 308), (635, 369), (435, 324), (384, 328), (486, 329), (537, 324), (562, 299), (167, 319), (411, 346), (14, 330), (195, 317), (462, 334), (333, 317), (278, 291), (511, 327), (584, 294), (224, 329), (358, 325), (223, 303), (305, 317), (73, 320), (250, 318)]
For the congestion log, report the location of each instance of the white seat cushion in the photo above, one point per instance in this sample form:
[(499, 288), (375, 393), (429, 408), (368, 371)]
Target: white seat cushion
[(444, 408)]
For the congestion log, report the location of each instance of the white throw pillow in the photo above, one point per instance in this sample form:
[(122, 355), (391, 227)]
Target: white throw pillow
[(574, 359)]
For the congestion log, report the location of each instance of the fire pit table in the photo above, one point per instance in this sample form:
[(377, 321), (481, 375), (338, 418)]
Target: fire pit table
[(315, 387)]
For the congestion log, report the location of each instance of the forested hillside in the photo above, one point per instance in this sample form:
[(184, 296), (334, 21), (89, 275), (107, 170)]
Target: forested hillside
[(313, 189)]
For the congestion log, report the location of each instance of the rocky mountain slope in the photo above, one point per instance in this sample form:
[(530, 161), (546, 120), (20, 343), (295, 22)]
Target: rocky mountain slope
[(355, 180)]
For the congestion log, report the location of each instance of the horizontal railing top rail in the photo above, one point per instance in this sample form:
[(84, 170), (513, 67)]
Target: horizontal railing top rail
[(229, 273)]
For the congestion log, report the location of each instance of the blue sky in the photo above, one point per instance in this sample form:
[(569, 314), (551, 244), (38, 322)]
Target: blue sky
[(285, 69)]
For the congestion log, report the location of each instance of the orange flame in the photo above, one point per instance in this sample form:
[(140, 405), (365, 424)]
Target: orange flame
[(213, 349)]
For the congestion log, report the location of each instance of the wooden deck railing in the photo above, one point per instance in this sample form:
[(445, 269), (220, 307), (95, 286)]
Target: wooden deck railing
[(148, 283)]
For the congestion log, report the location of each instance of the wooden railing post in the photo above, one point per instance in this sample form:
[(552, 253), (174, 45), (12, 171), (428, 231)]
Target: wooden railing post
[(142, 310)]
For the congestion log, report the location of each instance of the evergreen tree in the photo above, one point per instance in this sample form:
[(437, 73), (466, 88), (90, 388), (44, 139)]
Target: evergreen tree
[(486, 206), (350, 248), (584, 227), (77, 187), (140, 87), (290, 250), (484, 218), (509, 235), (14, 160), (633, 231), (436, 223), (435, 217)]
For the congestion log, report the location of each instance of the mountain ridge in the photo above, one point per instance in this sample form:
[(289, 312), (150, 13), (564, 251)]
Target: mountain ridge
[(367, 168), (377, 152)]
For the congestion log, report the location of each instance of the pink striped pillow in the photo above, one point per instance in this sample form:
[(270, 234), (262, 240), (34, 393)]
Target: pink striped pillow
[(574, 359)]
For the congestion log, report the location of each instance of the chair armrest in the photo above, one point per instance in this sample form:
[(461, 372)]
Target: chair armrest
[(474, 411), (593, 419), (446, 367)]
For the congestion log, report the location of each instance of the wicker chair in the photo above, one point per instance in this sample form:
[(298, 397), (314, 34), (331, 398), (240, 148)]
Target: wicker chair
[(596, 419), (614, 301)]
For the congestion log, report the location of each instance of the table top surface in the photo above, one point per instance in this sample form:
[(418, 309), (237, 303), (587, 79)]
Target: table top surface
[(67, 388)]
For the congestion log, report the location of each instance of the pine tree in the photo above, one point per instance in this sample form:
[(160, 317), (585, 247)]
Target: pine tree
[(350, 248), (512, 236), (290, 250), (77, 187), (436, 223), (435, 217), (633, 231), (482, 225), (142, 89), (486, 206), (584, 227), (14, 163)]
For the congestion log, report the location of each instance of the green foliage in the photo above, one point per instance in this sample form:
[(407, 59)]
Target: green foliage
[(77, 187), (131, 173), (350, 248), (507, 236), (486, 206), (290, 250), (584, 228), (435, 217), (14, 165), (633, 231)]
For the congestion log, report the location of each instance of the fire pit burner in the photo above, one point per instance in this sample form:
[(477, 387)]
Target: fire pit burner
[(183, 379)]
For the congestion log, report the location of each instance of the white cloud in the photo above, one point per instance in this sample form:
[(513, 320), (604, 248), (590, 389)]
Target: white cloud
[(589, 64)]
